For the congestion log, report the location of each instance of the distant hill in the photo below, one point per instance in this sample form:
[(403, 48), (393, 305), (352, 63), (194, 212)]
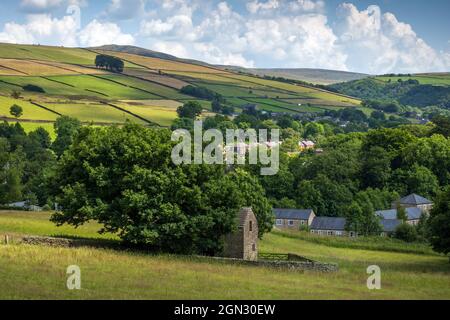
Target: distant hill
[(148, 53), (315, 76)]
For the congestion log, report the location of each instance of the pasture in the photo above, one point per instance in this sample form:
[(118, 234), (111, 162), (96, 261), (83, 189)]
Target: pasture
[(38, 272), (30, 111), (435, 79)]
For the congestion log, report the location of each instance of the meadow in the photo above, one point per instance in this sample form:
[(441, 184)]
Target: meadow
[(433, 79), (38, 272), (30, 111)]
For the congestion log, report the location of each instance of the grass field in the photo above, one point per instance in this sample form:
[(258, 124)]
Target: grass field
[(93, 112), (30, 111), (163, 116), (438, 79), (35, 272)]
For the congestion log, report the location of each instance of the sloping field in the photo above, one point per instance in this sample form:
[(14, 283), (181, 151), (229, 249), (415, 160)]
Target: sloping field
[(102, 87), (160, 64), (157, 78), (157, 90), (30, 111), (436, 79), (98, 113), (164, 116)]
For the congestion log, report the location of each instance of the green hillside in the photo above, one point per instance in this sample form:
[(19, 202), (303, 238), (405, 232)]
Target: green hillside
[(68, 83)]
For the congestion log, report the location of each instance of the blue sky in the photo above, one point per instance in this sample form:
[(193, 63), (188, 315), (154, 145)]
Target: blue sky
[(371, 36)]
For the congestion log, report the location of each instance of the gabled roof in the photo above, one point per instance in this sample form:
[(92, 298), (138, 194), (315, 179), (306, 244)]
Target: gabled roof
[(241, 216), (415, 199), (293, 214), (329, 223), (412, 214), (390, 225)]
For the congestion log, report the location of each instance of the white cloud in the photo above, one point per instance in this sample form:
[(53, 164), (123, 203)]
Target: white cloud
[(44, 29), (255, 6), (379, 43), (97, 34)]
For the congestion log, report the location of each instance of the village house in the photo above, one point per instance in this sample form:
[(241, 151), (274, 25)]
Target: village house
[(414, 201), (306, 145), (23, 205), (413, 215), (330, 226), (293, 218), (243, 243)]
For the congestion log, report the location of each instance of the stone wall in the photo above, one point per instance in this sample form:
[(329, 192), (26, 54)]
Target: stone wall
[(283, 265)]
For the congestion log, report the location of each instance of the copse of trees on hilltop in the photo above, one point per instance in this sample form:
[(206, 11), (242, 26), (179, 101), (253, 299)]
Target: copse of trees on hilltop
[(109, 63)]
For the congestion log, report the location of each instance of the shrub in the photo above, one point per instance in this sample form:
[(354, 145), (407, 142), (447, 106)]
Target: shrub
[(406, 232)]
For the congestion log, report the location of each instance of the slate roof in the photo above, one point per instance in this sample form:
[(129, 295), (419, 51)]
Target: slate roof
[(293, 214), (412, 213), (328, 223), (390, 225), (414, 199)]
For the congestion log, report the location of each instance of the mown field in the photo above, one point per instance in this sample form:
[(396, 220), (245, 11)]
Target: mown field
[(37, 272)]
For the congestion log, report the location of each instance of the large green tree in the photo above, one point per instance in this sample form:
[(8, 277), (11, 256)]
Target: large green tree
[(125, 179), (439, 223)]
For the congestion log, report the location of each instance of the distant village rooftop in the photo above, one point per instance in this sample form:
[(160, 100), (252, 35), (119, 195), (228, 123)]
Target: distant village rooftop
[(414, 199)]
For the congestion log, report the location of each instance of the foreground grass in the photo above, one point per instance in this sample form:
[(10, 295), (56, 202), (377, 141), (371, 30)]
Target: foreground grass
[(34, 272)]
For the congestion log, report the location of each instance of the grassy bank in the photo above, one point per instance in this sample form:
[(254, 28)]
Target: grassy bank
[(35, 272)]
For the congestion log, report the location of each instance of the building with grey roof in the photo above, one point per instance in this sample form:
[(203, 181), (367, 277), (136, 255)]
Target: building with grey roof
[(414, 201), (293, 219)]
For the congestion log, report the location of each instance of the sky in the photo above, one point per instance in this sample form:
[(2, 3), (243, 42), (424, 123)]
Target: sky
[(367, 36)]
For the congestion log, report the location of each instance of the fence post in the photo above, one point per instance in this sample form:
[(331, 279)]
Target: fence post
[(6, 239)]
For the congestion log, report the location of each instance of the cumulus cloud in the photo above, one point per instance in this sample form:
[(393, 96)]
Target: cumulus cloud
[(42, 28), (267, 33), (377, 42), (42, 6), (45, 29), (97, 34), (224, 36)]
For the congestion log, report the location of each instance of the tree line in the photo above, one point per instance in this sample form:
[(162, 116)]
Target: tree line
[(110, 63)]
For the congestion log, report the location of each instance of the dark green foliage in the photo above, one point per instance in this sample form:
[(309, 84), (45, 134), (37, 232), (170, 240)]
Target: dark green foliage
[(404, 92), (406, 233), (191, 110), (439, 224), (16, 111), (202, 93), (110, 63), (65, 127), (442, 125), (33, 88), (24, 162), (125, 179)]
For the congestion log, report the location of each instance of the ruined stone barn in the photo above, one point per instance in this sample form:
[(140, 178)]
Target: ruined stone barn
[(243, 243)]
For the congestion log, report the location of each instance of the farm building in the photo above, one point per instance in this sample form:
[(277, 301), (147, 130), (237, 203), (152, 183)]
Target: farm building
[(414, 201), (413, 214), (243, 243), (293, 218), (328, 226)]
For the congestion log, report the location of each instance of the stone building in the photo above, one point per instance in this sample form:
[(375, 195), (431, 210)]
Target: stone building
[(414, 201), (293, 219), (243, 243)]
